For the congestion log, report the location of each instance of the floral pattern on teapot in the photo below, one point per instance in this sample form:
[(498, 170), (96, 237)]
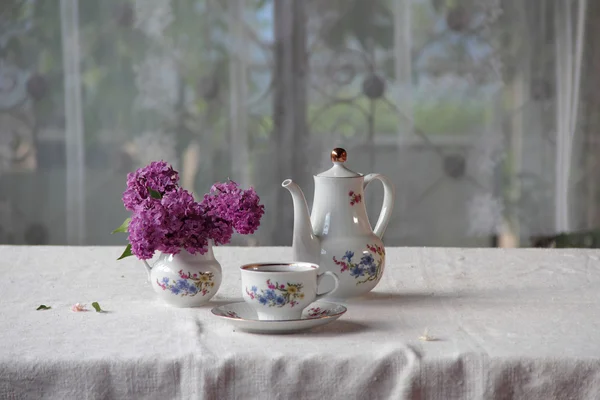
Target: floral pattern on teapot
[(368, 268), (355, 198), (277, 295), (200, 283)]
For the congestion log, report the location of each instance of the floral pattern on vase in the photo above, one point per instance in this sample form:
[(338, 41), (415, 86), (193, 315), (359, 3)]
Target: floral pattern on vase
[(355, 198), (201, 283), (277, 295), (368, 268)]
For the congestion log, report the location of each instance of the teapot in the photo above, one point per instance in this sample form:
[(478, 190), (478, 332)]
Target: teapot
[(338, 235)]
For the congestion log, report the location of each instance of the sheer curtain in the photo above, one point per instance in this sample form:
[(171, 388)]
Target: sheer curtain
[(483, 112)]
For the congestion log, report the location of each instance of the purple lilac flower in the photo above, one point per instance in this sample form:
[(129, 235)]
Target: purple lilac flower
[(184, 224), (145, 229), (168, 225), (158, 176), (218, 229), (239, 207), (176, 221)]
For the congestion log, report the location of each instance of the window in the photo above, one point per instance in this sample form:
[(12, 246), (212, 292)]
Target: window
[(484, 113)]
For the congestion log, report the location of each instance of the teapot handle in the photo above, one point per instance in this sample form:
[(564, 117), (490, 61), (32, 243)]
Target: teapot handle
[(388, 202)]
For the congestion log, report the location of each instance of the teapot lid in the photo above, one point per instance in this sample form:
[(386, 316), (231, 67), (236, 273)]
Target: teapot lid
[(338, 156)]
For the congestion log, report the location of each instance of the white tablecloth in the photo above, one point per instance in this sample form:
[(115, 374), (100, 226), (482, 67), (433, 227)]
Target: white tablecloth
[(510, 324)]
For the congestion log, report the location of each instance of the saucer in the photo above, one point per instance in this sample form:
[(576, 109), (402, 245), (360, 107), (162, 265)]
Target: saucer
[(243, 317)]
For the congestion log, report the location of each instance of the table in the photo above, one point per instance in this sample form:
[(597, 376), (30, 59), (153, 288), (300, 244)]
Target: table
[(509, 323)]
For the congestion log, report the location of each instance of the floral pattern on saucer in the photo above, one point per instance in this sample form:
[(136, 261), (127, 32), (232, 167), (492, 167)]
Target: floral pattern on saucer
[(200, 283), (316, 312), (277, 295), (242, 317), (368, 268)]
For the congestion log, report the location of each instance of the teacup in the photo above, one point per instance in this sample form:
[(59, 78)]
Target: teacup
[(280, 291)]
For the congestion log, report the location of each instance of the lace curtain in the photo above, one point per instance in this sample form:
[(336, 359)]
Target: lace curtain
[(483, 112)]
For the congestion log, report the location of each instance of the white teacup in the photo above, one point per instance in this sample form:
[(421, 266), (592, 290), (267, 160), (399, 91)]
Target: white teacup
[(280, 291)]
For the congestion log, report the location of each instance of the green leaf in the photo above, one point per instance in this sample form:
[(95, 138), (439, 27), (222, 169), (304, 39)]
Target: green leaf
[(43, 307), (126, 253), (123, 227), (96, 306), (154, 194)]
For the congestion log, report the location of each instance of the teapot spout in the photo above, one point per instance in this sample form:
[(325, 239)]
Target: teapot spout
[(306, 246)]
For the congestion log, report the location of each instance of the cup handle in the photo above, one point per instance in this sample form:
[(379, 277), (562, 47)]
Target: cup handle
[(320, 277)]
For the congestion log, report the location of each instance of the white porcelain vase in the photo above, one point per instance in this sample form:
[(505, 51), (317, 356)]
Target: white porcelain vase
[(184, 279)]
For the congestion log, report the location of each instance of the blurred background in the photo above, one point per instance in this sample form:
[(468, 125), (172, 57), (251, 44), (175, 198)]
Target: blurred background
[(484, 113)]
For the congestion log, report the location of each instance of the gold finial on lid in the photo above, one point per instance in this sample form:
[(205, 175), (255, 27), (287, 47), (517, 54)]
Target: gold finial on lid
[(338, 155)]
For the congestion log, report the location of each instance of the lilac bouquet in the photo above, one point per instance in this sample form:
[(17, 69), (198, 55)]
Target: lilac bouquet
[(166, 218)]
